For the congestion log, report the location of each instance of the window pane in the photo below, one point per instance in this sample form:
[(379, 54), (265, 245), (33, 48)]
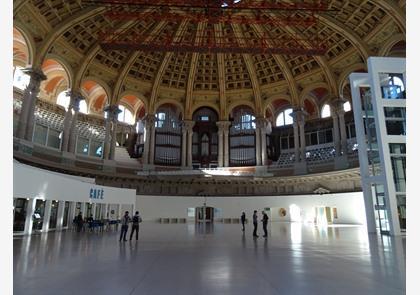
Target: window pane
[(391, 112), (398, 169), (95, 148), (287, 118), (53, 139), (83, 107), (347, 106), (395, 127), (40, 135), (63, 100), (397, 148), (326, 111), (82, 146)]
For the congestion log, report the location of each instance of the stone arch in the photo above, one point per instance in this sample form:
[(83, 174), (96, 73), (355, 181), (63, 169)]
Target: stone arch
[(142, 101), (343, 79), (27, 38), (95, 94), (240, 103), (213, 106), (58, 79), (310, 100), (387, 47), (313, 87), (174, 102), (269, 101)]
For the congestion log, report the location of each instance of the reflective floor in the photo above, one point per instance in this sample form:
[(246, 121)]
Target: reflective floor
[(188, 259)]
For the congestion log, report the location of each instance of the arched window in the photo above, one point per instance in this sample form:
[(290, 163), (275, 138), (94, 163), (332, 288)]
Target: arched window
[(125, 115), (284, 118), (83, 107), (20, 79), (347, 106), (63, 99), (326, 111)]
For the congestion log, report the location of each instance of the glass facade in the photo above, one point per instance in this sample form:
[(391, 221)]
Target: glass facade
[(66, 214), (38, 216), (40, 134), (53, 215), (54, 139)]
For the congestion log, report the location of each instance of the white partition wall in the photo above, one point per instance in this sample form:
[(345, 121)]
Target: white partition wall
[(33, 184), (349, 206)]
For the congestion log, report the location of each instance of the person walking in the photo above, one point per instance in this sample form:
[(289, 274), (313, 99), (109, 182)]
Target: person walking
[(255, 222), (243, 219), (264, 222), (135, 226), (125, 220)]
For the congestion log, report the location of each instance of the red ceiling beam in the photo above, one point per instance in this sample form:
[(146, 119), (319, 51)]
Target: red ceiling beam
[(314, 5), (250, 45)]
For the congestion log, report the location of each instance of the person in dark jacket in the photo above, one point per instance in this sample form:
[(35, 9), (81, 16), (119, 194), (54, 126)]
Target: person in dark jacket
[(243, 219), (125, 220), (135, 226), (264, 222), (255, 222), (79, 221)]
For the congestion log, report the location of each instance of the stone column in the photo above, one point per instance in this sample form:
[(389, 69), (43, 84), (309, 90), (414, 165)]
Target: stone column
[(189, 126), (152, 144), (302, 140), (258, 146), (184, 146), (75, 99), (338, 110), (262, 127), (105, 154), (296, 139), (220, 145), (111, 127), (26, 119), (336, 134), (226, 143), (149, 120)]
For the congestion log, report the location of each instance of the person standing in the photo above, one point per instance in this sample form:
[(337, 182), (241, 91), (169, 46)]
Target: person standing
[(243, 219), (79, 222), (135, 226), (255, 222), (264, 222), (124, 226)]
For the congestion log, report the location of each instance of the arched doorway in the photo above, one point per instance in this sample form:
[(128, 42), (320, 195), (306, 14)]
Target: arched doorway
[(205, 139)]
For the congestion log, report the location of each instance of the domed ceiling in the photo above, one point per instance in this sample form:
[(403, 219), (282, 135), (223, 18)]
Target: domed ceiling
[(72, 33)]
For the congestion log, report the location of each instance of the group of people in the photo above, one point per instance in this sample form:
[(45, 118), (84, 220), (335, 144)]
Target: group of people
[(135, 222), (264, 221)]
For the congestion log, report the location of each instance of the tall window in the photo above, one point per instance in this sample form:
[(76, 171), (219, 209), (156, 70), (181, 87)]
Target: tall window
[(63, 99), (83, 107), (284, 118), (347, 106), (125, 116), (20, 79), (326, 111)]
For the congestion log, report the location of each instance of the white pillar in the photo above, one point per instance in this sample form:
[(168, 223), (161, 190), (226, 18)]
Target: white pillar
[(30, 210), (261, 125), (72, 213), (94, 210), (82, 209), (60, 215), (47, 215), (189, 126)]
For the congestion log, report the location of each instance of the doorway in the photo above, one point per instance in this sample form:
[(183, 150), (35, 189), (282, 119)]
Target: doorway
[(204, 214)]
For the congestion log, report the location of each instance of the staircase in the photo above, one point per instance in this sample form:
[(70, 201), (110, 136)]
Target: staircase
[(122, 157)]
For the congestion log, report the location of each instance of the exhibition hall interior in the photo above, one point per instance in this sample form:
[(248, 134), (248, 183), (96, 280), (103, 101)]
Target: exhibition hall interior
[(209, 147)]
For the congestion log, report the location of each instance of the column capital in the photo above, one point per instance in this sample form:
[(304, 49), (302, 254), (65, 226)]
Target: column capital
[(75, 98), (188, 125), (223, 125), (337, 105), (112, 111), (35, 74), (149, 120), (261, 122), (299, 115)]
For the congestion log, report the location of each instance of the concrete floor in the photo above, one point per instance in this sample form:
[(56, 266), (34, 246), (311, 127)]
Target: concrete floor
[(186, 259)]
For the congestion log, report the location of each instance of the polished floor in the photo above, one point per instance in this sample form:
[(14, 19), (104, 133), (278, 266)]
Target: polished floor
[(182, 259)]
